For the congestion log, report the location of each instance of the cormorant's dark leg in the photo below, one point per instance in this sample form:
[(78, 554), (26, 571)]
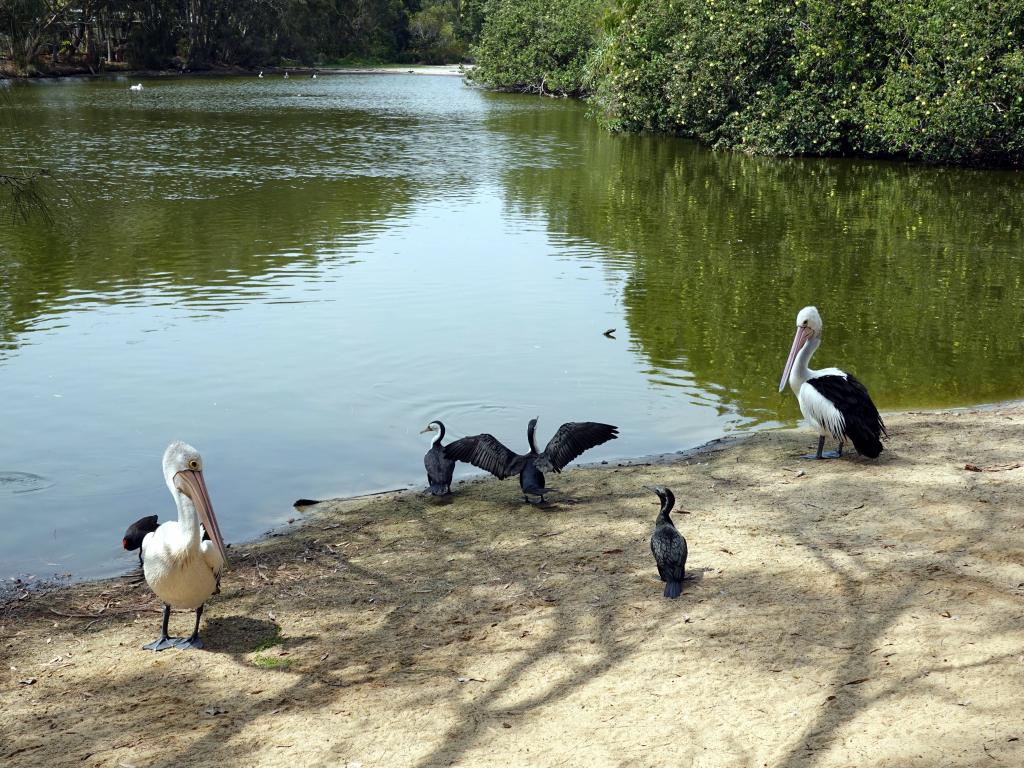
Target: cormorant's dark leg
[(163, 642), (194, 641)]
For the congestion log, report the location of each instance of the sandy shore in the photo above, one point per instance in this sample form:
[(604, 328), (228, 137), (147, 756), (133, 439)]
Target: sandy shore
[(843, 613)]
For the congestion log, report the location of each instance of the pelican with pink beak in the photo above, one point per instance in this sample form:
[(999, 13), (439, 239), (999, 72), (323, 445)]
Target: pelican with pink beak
[(833, 401), (181, 568)]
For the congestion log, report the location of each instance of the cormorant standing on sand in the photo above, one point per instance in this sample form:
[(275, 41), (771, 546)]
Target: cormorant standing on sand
[(439, 468), (668, 546)]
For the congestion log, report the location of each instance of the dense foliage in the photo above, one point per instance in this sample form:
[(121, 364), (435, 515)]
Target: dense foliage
[(59, 35), (536, 46), (937, 80)]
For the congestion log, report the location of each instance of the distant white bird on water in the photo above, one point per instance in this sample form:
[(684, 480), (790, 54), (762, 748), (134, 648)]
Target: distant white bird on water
[(182, 569), (260, 75), (285, 75), (832, 400), (136, 87)]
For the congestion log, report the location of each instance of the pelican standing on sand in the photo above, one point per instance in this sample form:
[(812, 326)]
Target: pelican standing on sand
[(182, 569), (833, 401), (439, 469), (571, 439)]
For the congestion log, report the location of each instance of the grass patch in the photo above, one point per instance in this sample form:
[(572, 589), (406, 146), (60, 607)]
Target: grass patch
[(271, 662), (265, 645)]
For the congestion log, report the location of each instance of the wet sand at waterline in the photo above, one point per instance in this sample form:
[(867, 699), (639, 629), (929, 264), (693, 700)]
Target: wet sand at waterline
[(839, 613)]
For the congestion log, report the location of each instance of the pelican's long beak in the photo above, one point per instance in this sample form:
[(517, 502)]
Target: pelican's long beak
[(192, 485), (803, 333)]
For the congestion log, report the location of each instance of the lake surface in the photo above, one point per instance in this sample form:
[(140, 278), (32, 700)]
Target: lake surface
[(296, 276)]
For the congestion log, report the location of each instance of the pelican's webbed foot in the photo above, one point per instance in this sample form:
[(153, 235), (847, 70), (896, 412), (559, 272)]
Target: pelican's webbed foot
[(163, 642), (836, 454), (194, 641)]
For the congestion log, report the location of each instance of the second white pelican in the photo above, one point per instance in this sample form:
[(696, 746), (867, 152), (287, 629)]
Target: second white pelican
[(833, 401)]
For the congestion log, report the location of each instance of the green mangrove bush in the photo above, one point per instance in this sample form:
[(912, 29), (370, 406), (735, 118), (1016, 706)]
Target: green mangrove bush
[(536, 46), (934, 80)]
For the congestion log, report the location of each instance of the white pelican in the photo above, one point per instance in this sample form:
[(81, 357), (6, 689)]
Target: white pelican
[(136, 87), (181, 568), (832, 400)]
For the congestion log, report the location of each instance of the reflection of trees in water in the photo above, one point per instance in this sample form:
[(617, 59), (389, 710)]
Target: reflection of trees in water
[(193, 250), (917, 271)]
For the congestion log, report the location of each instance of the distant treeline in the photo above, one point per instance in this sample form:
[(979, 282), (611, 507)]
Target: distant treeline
[(934, 80), (39, 36)]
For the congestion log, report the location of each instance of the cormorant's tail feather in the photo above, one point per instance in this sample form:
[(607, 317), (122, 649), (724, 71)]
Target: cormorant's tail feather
[(673, 589), (305, 503)]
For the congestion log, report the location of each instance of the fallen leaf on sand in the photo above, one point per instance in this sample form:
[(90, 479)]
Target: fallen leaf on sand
[(471, 679), (997, 468), (28, 681), (215, 709)]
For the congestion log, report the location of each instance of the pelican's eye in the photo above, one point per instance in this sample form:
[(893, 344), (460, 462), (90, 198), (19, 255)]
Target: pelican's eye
[(193, 464)]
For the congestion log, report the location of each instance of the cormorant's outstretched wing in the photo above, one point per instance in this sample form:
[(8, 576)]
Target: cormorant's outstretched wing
[(573, 438), (487, 452)]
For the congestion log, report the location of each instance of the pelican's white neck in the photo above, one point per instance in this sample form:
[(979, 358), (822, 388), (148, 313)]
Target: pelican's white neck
[(801, 371), (188, 517)]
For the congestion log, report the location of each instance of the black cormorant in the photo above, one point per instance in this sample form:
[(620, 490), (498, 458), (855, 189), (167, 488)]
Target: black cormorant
[(439, 468), (668, 546), (137, 532), (571, 439)]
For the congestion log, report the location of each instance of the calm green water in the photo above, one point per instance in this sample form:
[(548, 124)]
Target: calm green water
[(296, 276)]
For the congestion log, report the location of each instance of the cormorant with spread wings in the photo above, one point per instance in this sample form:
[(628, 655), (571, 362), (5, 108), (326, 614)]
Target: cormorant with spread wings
[(571, 439)]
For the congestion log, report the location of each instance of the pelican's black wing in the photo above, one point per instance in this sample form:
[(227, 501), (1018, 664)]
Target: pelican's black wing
[(575, 437), (862, 422), (487, 452)]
